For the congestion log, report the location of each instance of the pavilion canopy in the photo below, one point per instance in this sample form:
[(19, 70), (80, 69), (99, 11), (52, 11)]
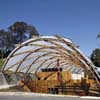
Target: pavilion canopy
[(43, 52)]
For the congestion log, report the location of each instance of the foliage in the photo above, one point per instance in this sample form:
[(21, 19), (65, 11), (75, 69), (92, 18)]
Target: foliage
[(95, 57), (98, 35), (1, 62), (21, 31), (16, 33)]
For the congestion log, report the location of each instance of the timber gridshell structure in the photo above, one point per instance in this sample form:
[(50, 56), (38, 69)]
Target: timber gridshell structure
[(43, 52)]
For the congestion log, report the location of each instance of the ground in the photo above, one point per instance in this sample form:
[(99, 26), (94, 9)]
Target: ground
[(36, 96), (12, 89), (41, 98)]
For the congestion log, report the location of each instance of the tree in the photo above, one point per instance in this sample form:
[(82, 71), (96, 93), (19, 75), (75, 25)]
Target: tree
[(21, 31), (98, 35), (3, 35), (5, 39), (20, 28), (16, 33), (95, 57), (32, 31), (6, 43)]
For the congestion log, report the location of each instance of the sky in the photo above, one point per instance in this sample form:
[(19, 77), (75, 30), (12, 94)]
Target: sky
[(78, 20)]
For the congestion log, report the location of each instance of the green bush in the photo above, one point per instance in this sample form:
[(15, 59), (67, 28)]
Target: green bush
[(1, 63)]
